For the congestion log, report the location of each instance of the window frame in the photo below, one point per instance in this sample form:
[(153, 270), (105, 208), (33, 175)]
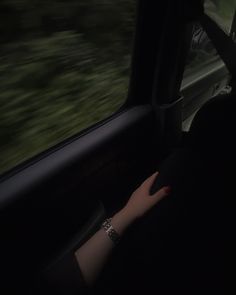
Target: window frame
[(142, 74), (125, 106)]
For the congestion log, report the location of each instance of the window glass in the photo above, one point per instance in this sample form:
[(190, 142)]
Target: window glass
[(64, 66), (222, 12), (202, 52), (205, 75)]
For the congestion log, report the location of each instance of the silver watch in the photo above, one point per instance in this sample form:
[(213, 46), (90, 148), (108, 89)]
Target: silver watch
[(110, 231)]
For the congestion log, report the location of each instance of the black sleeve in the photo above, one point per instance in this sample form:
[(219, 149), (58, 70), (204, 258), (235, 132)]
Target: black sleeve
[(63, 277)]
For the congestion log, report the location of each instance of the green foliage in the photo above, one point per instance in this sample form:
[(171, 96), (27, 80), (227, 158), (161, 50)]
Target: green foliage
[(222, 12), (61, 79)]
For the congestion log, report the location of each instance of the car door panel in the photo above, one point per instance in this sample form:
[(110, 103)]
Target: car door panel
[(49, 204)]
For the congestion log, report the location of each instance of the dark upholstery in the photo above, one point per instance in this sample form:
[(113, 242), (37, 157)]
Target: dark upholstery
[(213, 136), (185, 243), (212, 132)]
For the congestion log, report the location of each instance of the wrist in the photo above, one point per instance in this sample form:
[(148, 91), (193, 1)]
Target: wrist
[(121, 221)]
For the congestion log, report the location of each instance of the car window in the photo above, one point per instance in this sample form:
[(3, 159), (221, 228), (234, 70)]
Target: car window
[(205, 75), (64, 66), (202, 52), (222, 12)]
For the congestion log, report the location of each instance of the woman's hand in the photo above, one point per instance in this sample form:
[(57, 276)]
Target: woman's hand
[(141, 201)]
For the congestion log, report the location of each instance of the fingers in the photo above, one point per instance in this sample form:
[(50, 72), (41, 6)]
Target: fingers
[(149, 181), (163, 192)]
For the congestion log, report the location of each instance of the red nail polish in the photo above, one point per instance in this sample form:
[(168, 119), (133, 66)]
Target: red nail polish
[(168, 190)]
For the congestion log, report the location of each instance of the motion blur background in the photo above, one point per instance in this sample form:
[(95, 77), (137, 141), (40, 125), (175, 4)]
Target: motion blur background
[(65, 65)]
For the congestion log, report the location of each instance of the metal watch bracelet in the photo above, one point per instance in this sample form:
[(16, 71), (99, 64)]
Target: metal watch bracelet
[(110, 231)]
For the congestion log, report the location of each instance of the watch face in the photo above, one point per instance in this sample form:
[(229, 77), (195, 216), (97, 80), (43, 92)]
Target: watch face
[(106, 224), (112, 234)]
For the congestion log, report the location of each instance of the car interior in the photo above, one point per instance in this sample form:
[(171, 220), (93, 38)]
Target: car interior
[(51, 204)]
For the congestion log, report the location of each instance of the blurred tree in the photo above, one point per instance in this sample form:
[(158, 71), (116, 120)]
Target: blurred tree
[(64, 65)]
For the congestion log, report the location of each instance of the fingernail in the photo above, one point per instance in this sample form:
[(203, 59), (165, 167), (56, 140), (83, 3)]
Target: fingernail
[(168, 190)]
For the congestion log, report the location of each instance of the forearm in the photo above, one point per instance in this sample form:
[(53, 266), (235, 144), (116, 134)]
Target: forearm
[(93, 255)]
